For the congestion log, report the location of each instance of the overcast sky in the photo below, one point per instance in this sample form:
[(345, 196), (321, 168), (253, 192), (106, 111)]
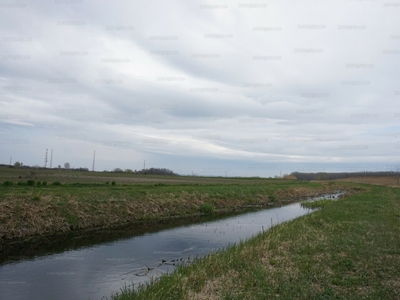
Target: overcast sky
[(210, 87)]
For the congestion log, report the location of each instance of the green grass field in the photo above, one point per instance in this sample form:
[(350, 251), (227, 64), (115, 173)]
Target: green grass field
[(73, 176), (349, 249)]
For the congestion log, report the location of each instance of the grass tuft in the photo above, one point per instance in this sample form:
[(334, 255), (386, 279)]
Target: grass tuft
[(30, 182), (36, 198), (317, 204), (8, 183), (206, 208)]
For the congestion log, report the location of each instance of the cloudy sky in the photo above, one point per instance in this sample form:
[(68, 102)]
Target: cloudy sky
[(207, 87)]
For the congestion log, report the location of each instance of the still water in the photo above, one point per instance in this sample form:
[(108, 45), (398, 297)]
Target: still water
[(103, 268)]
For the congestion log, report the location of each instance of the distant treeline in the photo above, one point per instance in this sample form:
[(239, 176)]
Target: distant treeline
[(331, 176), (152, 171), (157, 171), (42, 168)]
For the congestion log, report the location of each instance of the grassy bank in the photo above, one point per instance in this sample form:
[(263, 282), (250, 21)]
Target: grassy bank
[(349, 249), (31, 207)]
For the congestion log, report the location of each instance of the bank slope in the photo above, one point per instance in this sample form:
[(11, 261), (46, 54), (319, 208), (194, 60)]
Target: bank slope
[(35, 210)]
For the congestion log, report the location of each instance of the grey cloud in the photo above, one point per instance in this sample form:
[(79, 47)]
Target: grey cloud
[(131, 76)]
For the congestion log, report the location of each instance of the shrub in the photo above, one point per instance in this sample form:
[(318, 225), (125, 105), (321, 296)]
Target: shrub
[(44, 183), (272, 198), (113, 183), (206, 208), (38, 183), (36, 198), (7, 183), (56, 183)]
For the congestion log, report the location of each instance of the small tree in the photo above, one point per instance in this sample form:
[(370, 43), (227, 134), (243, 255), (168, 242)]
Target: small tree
[(128, 171), (67, 165), (17, 164)]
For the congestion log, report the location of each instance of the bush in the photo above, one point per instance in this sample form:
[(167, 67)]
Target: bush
[(206, 208), (272, 198), (38, 183), (30, 182), (44, 183), (7, 183), (36, 198), (113, 183), (56, 183)]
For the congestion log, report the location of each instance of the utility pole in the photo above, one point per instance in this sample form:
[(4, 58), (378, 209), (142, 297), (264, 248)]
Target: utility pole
[(144, 165), (94, 156), (51, 159), (10, 160), (45, 160)]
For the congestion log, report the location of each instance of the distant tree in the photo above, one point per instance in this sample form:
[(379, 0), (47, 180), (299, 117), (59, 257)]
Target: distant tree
[(396, 173), (17, 164), (128, 171), (59, 166), (67, 165), (287, 176), (118, 170)]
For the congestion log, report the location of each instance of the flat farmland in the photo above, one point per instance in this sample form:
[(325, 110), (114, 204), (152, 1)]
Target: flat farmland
[(386, 181), (74, 176)]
